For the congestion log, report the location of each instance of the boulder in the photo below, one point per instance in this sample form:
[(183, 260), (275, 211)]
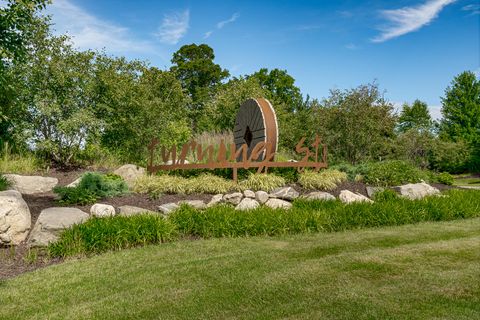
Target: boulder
[(74, 183), (216, 199), (102, 210), (233, 198), (372, 190), (319, 195), (261, 197), (168, 208), (51, 222), (130, 173), (31, 184), (132, 210), (286, 193), (249, 194), (414, 191), (278, 204), (247, 204), (15, 219), (347, 196), (197, 204)]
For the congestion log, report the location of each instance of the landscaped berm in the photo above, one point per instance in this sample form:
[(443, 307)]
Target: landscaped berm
[(129, 191)]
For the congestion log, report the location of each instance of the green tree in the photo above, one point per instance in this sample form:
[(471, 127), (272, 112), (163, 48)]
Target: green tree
[(59, 99), (357, 124), (140, 104), (280, 87), (415, 117), (193, 65), (18, 24), (461, 109), (221, 110)]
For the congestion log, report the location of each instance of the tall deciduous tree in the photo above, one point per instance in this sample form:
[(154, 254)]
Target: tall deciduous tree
[(193, 65), (357, 124), (18, 24), (461, 109), (415, 117)]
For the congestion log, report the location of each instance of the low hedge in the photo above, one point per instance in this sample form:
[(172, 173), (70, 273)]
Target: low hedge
[(114, 233)]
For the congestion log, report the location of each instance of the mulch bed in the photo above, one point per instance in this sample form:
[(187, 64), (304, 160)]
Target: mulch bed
[(19, 259)]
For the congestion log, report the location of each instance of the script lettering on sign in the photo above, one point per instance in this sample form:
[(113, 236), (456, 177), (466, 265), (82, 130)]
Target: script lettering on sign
[(261, 157)]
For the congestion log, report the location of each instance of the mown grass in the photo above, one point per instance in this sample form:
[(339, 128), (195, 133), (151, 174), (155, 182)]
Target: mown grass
[(306, 216), (424, 271)]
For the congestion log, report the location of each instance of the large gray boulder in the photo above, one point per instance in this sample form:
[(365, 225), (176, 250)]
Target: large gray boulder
[(347, 196), (130, 173), (278, 204), (168, 208), (15, 219), (132, 210), (261, 196), (247, 204), (286, 193), (216, 199), (101, 210), (197, 204), (233, 198), (31, 184), (319, 195), (51, 222), (371, 191), (415, 191)]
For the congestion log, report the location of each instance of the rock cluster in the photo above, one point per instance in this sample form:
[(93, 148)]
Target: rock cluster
[(15, 219)]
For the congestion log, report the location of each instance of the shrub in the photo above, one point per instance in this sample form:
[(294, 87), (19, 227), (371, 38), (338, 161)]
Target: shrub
[(75, 196), (4, 183), (205, 183), (393, 172), (92, 186), (98, 235), (451, 157), (445, 178), (265, 182), (324, 180)]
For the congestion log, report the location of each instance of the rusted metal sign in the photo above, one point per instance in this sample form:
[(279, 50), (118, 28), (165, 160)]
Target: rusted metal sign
[(255, 145), (315, 158)]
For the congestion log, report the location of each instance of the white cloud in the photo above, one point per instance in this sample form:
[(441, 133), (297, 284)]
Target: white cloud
[(473, 8), (351, 46), (174, 27), (89, 32), (409, 19), (207, 34), (222, 24)]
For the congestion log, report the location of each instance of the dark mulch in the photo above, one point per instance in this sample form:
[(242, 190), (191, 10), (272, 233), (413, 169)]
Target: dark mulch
[(21, 259)]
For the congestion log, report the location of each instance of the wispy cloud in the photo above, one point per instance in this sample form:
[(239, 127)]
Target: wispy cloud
[(351, 46), (473, 8), (222, 24), (233, 18), (90, 32), (174, 26), (409, 19), (207, 34)]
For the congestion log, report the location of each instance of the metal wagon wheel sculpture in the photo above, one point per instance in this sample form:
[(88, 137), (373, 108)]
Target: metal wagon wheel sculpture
[(256, 122)]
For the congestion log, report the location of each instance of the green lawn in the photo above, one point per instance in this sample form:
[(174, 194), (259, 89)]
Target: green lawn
[(423, 271)]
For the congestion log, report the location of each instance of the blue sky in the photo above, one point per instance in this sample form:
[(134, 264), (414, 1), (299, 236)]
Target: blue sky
[(412, 48)]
